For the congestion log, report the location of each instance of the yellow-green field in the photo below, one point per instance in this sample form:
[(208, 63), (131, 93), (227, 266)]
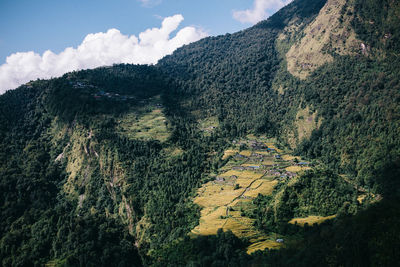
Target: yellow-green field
[(272, 145), (297, 168), (310, 220), (246, 153), (151, 125), (216, 195), (222, 204), (361, 198), (263, 244), (229, 152), (265, 188), (289, 157)]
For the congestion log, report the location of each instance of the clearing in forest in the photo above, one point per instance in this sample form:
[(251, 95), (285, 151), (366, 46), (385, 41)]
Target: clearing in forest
[(147, 125), (248, 173), (310, 220)]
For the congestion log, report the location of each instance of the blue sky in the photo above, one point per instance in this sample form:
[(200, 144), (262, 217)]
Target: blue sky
[(56, 24), (41, 25)]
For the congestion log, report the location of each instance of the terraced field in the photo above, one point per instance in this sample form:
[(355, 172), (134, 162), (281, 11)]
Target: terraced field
[(248, 173), (149, 125), (310, 220)]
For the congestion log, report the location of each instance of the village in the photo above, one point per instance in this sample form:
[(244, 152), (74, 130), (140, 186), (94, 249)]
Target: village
[(252, 166), (100, 94)]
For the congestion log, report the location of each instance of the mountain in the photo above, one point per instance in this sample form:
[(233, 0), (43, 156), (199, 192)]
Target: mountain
[(284, 135)]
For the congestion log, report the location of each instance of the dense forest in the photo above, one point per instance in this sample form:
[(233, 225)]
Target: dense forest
[(99, 167)]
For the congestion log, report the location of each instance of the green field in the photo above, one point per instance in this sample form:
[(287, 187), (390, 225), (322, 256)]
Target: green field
[(148, 125)]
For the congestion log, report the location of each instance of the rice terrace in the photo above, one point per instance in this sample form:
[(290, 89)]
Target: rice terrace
[(253, 166)]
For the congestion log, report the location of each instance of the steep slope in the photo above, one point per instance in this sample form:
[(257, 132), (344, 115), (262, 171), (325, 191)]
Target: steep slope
[(101, 167)]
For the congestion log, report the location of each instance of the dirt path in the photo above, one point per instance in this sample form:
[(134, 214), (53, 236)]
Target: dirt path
[(244, 192)]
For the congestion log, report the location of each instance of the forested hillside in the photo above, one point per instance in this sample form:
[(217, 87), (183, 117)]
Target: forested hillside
[(102, 167)]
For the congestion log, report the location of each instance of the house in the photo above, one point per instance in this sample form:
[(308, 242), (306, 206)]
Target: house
[(220, 179), (303, 163), (291, 174), (254, 167), (238, 168)]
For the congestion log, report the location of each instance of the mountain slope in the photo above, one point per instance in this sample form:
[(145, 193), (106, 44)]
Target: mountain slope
[(101, 167)]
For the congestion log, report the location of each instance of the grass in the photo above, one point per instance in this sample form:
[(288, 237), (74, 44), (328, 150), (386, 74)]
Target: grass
[(150, 125), (263, 152), (208, 125), (290, 157), (265, 188), (272, 145), (310, 220), (296, 168), (210, 221), (326, 30), (246, 153), (264, 244), (242, 174), (361, 198), (229, 152), (216, 198)]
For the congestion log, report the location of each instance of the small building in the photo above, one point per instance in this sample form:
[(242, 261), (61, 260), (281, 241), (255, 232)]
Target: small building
[(238, 168), (278, 156), (279, 240), (254, 167), (220, 179), (303, 163)]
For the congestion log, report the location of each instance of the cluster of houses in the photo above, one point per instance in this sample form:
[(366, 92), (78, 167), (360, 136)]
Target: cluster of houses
[(281, 173), (257, 145), (80, 85), (209, 129), (102, 94), (249, 168)]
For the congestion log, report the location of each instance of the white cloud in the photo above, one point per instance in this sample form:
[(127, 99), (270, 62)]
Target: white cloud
[(98, 49), (262, 9)]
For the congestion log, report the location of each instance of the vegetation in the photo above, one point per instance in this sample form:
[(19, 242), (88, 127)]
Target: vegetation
[(101, 167)]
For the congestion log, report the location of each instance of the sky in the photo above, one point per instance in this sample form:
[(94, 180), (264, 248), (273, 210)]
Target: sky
[(47, 38)]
